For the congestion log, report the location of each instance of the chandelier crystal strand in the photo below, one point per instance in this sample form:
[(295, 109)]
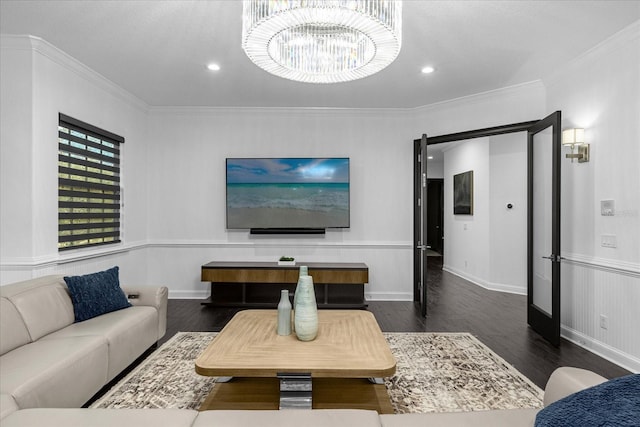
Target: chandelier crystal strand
[(322, 41)]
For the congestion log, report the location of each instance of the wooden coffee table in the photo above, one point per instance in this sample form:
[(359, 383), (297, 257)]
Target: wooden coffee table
[(258, 369)]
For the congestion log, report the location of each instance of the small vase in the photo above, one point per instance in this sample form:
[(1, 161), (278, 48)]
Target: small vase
[(306, 310), (304, 271), (284, 313)]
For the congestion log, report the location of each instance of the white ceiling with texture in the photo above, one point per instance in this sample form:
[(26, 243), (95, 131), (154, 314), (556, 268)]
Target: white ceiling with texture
[(158, 50)]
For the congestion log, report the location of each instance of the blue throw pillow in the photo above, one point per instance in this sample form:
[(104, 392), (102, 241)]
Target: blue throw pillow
[(612, 403), (95, 294)]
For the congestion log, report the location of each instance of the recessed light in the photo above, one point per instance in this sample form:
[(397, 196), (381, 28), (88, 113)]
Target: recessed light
[(428, 70), (429, 157), (213, 67)]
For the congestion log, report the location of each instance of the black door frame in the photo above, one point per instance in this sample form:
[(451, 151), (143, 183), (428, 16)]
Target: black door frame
[(420, 218), (418, 273)]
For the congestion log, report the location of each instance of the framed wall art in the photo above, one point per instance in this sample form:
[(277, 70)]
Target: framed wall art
[(463, 193)]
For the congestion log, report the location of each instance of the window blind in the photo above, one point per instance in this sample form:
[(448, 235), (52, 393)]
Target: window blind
[(88, 185)]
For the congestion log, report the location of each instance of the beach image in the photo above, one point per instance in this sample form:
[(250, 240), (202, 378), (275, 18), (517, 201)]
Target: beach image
[(287, 193)]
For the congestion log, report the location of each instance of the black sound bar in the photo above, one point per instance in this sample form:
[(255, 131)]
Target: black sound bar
[(287, 231)]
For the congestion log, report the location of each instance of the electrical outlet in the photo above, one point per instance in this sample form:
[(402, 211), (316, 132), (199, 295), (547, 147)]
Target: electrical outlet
[(604, 322)]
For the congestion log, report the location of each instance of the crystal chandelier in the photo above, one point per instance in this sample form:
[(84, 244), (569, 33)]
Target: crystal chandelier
[(322, 41)]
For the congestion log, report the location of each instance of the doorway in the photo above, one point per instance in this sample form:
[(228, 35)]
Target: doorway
[(422, 228), (435, 216)]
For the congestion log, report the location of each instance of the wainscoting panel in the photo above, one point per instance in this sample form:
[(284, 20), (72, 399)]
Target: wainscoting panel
[(601, 310), (177, 265)]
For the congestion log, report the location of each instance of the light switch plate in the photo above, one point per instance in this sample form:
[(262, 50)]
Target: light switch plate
[(609, 241), (607, 207)]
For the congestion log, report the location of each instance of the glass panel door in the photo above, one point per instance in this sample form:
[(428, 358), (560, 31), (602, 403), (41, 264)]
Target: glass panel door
[(542, 218), (544, 144)]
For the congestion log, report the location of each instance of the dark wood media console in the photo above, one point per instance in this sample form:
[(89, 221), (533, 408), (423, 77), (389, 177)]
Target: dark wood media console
[(258, 284)]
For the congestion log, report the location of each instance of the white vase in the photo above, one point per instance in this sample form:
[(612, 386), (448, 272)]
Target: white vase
[(284, 313), (304, 271), (306, 310)]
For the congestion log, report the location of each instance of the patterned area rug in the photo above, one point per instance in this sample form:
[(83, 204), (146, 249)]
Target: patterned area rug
[(436, 372)]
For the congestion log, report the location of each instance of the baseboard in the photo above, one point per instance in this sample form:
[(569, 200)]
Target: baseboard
[(603, 350), (388, 296), (189, 294), (369, 296), (492, 286)]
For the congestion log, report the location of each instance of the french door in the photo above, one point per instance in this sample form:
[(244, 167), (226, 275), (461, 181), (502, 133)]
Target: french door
[(420, 223), (543, 222), (543, 218)]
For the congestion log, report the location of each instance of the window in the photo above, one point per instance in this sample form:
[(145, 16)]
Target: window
[(88, 185)]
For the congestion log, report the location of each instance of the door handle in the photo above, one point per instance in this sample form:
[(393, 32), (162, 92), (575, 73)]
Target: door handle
[(552, 257)]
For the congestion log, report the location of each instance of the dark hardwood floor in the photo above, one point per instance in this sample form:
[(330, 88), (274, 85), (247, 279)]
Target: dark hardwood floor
[(454, 305)]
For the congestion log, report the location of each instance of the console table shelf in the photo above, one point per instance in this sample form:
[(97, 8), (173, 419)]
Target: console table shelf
[(258, 284)]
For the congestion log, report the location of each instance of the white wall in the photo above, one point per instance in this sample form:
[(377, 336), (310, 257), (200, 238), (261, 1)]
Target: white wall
[(600, 92), (507, 227), (435, 169), (38, 81), (16, 160), (489, 248), (466, 237), (187, 194)]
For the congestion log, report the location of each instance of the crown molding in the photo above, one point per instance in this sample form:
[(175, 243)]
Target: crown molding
[(52, 53), (262, 111), (621, 39), (481, 97)]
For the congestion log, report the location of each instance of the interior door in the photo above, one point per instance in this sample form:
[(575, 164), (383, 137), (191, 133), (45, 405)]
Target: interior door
[(435, 215), (543, 266), (420, 224)]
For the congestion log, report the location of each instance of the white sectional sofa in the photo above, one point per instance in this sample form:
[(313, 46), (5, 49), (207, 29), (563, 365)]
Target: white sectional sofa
[(563, 382), (49, 361), (50, 366)]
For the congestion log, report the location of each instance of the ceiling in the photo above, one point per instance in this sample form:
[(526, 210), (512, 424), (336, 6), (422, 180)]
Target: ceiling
[(158, 50)]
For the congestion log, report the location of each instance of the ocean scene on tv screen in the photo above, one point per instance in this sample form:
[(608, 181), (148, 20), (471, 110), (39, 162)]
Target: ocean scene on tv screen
[(288, 193)]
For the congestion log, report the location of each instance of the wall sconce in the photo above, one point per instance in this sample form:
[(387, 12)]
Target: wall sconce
[(575, 138)]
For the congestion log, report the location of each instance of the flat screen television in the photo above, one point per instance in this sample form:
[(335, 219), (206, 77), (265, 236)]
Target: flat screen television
[(280, 194)]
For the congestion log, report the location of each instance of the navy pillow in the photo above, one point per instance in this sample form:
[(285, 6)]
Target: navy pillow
[(95, 294), (613, 403)]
